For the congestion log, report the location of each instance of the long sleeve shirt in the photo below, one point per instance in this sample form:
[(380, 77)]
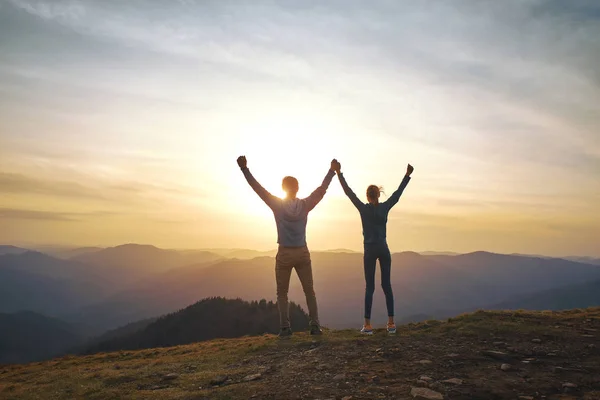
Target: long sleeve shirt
[(374, 216), (291, 215)]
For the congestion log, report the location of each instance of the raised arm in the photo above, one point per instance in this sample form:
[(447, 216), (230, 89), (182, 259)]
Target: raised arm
[(351, 195), (316, 196), (260, 191), (391, 202)]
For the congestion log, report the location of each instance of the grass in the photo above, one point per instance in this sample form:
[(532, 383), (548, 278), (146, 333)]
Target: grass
[(142, 374), (127, 374)]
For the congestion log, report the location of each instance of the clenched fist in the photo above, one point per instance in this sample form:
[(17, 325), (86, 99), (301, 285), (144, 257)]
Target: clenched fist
[(409, 170), (335, 165), (242, 163)]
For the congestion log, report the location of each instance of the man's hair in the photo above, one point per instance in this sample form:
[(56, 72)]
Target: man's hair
[(290, 184)]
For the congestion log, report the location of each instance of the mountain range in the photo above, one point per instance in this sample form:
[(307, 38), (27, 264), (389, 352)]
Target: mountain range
[(115, 291)]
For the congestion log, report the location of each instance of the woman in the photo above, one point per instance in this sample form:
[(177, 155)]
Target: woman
[(374, 219)]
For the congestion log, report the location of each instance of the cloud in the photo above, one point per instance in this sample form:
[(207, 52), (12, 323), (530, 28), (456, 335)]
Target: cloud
[(61, 10), (122, 192), (17, 183), (23, 214)]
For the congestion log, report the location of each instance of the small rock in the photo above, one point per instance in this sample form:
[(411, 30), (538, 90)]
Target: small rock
[(551, 354), (422, 383), (219, 380), (498, 355), (453, 381), (425, 394), (569, 385), (424, 362), (157, 387), (252, 377), (525, 397), (339, 377), (170, 377), (505, 367), (321, 367), (425, 378), (452, 355), (536, 341)]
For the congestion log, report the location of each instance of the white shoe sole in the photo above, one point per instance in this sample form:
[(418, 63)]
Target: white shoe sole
[(366, 333)]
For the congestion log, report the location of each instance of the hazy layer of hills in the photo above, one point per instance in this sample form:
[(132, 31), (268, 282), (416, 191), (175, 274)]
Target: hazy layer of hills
[(96, 290), (27, 336)]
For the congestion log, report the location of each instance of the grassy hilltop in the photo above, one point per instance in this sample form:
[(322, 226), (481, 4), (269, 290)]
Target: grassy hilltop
[(483, 355)]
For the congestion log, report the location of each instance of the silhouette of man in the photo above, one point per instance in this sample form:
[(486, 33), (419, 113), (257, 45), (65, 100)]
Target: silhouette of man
[(291, 214)]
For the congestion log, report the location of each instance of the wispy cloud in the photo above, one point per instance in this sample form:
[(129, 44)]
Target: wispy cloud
[(17, 183), (59, 10), (37, 215), (127, 191)]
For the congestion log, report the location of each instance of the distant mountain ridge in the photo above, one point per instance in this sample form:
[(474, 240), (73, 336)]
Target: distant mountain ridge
[(27, 336), (134, 262), (35, 281), (103, 289), (562, 298), (7, 249)]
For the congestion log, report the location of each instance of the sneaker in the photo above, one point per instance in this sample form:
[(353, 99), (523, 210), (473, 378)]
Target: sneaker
[(285, 332), (367, 330), (315, 330), (391, 328)]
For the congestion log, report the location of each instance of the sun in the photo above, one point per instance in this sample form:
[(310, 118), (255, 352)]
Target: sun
[(280, 146)]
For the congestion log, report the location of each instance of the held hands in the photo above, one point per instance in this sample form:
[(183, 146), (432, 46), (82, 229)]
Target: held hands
[(336, 166), (241, 161), (409, 169)]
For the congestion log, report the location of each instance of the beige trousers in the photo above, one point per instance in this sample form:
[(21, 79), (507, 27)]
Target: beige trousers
[(287, 259)]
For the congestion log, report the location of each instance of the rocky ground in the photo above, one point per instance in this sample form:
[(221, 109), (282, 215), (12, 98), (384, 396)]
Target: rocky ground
[(485, 355)]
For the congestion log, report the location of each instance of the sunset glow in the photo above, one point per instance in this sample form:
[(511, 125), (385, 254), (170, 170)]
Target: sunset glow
[(122, 124)]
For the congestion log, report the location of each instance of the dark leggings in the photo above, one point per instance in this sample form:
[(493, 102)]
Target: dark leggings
[(373, 252)]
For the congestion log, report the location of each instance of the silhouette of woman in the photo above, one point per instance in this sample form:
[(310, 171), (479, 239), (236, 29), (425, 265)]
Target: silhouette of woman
[(374, 217)]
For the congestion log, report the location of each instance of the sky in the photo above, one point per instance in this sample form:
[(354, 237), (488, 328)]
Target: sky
[(121, 121)]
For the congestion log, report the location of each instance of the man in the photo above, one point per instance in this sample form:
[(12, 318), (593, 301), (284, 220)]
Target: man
[(291, 215)]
